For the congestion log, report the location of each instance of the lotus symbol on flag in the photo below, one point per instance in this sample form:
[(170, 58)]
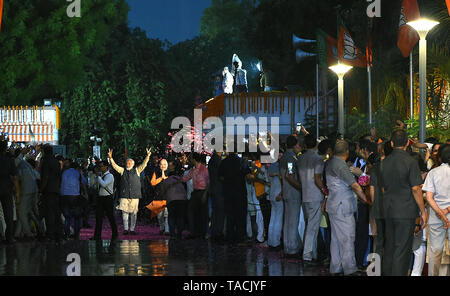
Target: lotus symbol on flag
[(350, 51), (402, 18)]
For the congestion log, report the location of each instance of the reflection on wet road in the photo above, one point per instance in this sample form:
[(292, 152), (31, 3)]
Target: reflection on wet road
[(148, 258)]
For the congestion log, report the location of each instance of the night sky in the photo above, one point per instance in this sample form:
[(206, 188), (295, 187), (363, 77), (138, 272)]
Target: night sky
[(174, 20)]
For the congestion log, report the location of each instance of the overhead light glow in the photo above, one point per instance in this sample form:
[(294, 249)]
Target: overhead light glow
[(422, 26), (340, 69)]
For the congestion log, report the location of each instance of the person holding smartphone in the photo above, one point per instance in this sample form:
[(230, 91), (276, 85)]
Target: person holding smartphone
[(291, 199)]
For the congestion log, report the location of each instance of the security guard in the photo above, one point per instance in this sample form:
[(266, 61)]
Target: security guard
[(341, 206)]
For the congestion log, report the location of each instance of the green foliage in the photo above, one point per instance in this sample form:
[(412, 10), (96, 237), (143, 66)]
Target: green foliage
[(44, 52), (357, 124)]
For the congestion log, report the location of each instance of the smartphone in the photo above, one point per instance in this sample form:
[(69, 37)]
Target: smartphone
[(299, 127), (240, 155), (186, 166), (207, 159), (290, 168), (429, 145)]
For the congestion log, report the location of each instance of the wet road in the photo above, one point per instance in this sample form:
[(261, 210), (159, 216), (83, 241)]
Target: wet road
[(159, 257)]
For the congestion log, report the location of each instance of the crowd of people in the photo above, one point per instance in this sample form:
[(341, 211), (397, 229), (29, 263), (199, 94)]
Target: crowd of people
[(326, 202)]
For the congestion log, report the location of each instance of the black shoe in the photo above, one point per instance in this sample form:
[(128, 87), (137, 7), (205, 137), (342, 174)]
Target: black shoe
[(26, 239), (292, 256), (311, 263), (125, 232), (10, 241), (275, 249), (133, 233), (362, 268), (190, 236), (357, 273), (326, 261)]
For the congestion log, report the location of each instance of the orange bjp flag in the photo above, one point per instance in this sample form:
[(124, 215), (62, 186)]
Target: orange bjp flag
[(347, 51), (448, 5), (407, 36)]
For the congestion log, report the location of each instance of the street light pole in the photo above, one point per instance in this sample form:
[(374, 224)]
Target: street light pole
[(340, 70), (422, 26), (341, 104), (423, 88)]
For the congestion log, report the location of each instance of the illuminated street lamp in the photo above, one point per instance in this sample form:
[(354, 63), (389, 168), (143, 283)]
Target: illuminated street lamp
[(422, 26), (340, 70)]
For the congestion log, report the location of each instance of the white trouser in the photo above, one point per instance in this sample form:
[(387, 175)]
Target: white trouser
[(313, 215), (163, 220), (2, 222), (276, 223), (419, 260), (301, 225), (437, 247), (259, 220), (27, 207), (125, 216)]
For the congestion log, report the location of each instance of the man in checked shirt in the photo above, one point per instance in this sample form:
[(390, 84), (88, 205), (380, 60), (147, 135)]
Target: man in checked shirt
[(198, 204)]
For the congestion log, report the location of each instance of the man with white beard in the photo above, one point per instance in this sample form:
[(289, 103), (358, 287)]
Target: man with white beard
[(130, 189)]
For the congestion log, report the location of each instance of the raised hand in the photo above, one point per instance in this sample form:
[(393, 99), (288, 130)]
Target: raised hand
[(110, 151), (149, 151)]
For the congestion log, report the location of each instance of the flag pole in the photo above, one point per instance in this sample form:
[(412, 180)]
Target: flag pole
[(411, 79), (369, 78), (317, 100)]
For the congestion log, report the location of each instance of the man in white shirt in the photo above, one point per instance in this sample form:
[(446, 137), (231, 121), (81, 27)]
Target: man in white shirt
[(28, 196), (105, 201), (310, 168), (437, 189), (227, 81)]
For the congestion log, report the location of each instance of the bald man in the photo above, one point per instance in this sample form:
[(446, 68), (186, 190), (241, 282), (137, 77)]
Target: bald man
[(341, 206), (130, 189)]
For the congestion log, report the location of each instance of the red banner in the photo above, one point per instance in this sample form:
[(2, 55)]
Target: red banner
[(407, 36), (1, 13)]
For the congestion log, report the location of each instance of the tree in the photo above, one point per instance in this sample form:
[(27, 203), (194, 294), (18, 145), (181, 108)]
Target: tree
[(44, 52)]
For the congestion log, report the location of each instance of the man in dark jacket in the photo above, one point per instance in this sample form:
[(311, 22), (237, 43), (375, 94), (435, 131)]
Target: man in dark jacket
[(402, 201), (50, 190), (232, 172), (130, 189), (217, 199), (8, 173)]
